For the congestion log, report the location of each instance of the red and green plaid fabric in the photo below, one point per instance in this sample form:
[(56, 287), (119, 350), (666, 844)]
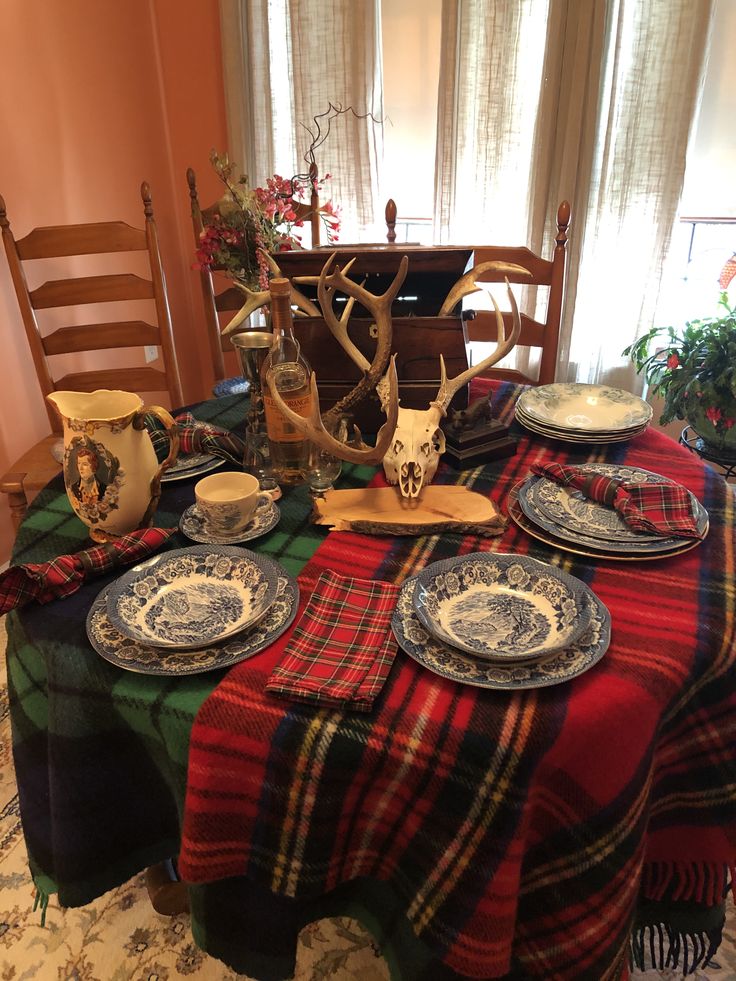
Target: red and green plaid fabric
[(513, 831), (196, 437), (661, 507), (64, 575), (342, 648), (497, 828)]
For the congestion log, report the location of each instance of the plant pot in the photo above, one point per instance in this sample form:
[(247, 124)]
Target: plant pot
[(719, 440)]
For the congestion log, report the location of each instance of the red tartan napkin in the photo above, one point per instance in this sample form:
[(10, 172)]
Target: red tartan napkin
[(47, 581), (342, 648), (196, 437), (661, 508)]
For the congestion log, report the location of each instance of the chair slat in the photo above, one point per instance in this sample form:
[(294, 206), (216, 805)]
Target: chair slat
[(91, 289), (60, 240), (484, 328), (128, 379), (541, 269), (99, 337)]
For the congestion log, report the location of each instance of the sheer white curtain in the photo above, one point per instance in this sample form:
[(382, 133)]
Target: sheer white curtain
[(584, 100), (285, 62)]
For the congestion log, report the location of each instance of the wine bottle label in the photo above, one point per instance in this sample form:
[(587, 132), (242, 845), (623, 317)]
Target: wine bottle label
[(279, 428)]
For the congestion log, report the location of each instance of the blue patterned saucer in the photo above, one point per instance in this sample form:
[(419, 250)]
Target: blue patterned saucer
[(448, 662), (193, 597), (131, 655), (194, 465), (500, 606), (194, 526)]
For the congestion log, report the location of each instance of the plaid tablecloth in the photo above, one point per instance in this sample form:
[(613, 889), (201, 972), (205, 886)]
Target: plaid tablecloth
[(620, 781)]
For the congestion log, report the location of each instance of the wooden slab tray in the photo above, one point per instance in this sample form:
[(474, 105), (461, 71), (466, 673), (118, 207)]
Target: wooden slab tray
[(383, 511)]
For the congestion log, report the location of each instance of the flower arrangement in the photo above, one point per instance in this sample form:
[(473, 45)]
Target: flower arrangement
[(248, 222), (694, 370)]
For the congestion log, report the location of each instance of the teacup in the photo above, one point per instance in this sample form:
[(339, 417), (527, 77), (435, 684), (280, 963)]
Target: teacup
[(228, 500)]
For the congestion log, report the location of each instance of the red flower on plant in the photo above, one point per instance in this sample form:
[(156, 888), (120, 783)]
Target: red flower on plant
[(713, 414), (727, 423), (673, 361)]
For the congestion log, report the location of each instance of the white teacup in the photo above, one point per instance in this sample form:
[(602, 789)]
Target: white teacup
[(228, 500)]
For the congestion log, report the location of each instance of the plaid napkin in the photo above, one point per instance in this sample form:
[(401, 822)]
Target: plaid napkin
[(662, 508), (47, 581), (342, 648), (196, 437)]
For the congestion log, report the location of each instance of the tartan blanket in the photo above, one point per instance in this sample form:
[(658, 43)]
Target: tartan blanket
[(516, 831)]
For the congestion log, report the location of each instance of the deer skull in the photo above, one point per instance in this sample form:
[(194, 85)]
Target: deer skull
[(414, 455)]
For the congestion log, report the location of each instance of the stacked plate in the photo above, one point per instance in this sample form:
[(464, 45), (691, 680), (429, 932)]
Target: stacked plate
[(192, 610), (564, 517), (501, 621), (578, 413), (192, 465)]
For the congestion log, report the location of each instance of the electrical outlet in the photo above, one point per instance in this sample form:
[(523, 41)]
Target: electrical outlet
[(151, 352)]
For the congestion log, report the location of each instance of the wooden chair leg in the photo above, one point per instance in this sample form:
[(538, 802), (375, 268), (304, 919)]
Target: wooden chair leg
[(167, 893)]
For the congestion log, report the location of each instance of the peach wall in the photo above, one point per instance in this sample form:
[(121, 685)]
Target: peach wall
[(95, 96)]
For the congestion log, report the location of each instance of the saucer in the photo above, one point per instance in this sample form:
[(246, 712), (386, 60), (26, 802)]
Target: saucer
[(194, 526)]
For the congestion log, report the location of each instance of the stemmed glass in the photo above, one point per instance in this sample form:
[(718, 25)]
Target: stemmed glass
[(320, 469)]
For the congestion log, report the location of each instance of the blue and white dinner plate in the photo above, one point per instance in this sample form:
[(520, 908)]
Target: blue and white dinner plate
[(194, 526), (131, 655), (193, 465), (580, 545), (192, 597), (449, 662), (501, 606), (594, 525), (580, 407)]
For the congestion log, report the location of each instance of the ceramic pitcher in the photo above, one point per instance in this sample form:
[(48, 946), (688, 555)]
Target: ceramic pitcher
[(112, 476)]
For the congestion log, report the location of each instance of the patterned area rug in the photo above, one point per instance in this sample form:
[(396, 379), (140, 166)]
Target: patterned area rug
[(119, 937)]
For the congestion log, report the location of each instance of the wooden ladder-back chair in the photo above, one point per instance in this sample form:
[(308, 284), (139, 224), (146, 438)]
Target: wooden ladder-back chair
[(534, 333), (70, 242)]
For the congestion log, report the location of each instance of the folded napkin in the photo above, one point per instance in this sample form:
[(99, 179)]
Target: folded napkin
[(342, 647), (47, 581), (661, 507), (196, 437)]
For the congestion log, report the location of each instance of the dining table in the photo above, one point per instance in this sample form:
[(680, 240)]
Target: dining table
[(546, 832)]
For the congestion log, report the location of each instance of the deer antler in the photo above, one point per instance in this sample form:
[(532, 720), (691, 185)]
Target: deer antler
[(255, 299), (504, 344), (312, 426), (379, 306), (467, 285)]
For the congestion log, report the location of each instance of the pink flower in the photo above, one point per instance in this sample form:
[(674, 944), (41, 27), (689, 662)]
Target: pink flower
[(673, 360), (713, 414)]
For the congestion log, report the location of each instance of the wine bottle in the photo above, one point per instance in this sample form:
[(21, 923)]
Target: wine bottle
[(289, 369)]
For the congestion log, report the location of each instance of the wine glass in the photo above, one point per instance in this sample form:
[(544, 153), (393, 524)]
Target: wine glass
[(257, 461), (320, 469)]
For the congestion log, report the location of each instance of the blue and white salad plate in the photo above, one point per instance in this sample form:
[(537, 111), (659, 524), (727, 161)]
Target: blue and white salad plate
[(449, 662), (193, 597), (131, 655), (501, 606)]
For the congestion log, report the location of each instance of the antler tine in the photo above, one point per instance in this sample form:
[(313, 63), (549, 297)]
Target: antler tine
[(380, 306), (504, 344), (300, 301), (466, 284), (255, 300), (312, 426)]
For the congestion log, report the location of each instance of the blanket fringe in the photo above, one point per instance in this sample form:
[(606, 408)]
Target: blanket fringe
[(41, 901), (699, 882), (660, 946)]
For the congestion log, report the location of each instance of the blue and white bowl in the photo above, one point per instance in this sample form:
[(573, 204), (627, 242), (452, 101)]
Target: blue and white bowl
[(501, 607)]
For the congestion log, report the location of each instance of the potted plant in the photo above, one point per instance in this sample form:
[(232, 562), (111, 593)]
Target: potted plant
[(694, 370)]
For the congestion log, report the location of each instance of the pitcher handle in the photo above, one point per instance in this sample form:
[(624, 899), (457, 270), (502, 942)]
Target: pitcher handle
[(172, 431)]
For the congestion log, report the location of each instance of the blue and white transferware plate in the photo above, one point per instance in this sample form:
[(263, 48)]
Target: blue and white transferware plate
[(587, 408), (449, 662), (551, 504), (193, 597), (194, 465), (501, 607), (124, 652), (194, 526)]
